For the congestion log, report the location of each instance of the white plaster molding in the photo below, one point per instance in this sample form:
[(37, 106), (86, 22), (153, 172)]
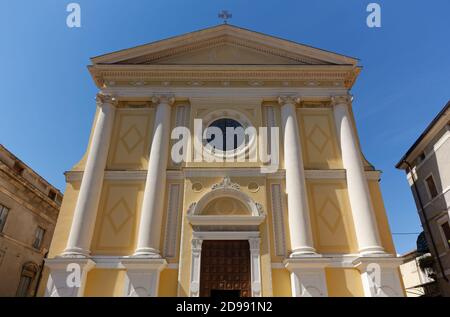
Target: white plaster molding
[(142, 276), (277, 265), (67, 276), (255, 266), (115, 262), (225, 184), (380, 276), (198, 220), (278, 221), (225, 235), (76, 176), (171, 228), (225, 189), (308, 276), (343, 260), (196, 251), (230, 172), (225, 92)]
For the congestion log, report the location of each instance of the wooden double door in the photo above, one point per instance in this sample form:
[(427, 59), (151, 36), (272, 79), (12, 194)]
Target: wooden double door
[(225, 269)]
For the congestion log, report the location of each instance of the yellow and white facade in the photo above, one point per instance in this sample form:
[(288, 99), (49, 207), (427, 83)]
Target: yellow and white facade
[(133, 221)]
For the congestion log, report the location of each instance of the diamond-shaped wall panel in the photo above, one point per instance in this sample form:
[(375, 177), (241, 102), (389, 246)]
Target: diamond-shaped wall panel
[(119, 215), (131, 139), (330, 214), (318, 138)]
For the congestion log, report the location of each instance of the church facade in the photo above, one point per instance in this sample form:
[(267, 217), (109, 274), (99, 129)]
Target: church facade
[(289, 208)]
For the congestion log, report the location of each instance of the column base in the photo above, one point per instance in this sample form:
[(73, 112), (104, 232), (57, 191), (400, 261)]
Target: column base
[(148, 253), (75, 253), (373, 251), (142, 276), (304, 252), (308, 276), (67, 276), (380, 276)]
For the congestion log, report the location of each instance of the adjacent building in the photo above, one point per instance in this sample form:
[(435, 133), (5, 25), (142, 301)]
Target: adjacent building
[(29, 208), (419, 280), (302, 217), (427, 166)]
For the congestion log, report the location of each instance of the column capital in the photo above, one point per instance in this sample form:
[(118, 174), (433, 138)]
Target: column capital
[(196, 244), (288, 99), (341, 99), (163, 98), (254, 244), (102, 98)]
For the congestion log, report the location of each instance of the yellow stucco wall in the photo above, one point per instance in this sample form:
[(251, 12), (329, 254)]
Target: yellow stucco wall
[(381, 217), (331, 216), (318, 138), (281, 283), (105, 283), (131, 139), (168, 283), (116, 227), (64, 222), (79, 166), (344, 282)]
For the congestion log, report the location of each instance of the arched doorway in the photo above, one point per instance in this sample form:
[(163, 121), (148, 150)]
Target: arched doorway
[(225, 269), (225, 246)]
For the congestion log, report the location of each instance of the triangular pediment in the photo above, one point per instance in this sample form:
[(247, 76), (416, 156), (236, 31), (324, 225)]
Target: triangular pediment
[(224, 45), (227, 54)]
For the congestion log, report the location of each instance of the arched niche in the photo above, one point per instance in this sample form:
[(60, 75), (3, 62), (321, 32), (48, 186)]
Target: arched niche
[(225, 204)]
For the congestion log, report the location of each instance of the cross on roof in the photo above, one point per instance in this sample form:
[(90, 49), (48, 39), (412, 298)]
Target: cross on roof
[(225, 15)]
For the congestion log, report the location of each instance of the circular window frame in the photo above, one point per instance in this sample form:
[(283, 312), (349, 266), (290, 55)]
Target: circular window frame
[(227, 114)]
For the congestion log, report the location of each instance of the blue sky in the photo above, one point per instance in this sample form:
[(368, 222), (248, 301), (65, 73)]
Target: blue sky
[(47, 102)]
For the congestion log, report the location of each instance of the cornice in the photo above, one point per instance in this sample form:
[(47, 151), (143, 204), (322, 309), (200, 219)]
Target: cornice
[(220, 76), (76, 176)]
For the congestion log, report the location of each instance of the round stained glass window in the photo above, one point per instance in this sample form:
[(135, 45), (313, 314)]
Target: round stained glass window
[(231, 134)]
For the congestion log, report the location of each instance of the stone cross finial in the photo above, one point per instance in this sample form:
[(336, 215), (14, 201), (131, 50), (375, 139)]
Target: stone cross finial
[(225, 15)]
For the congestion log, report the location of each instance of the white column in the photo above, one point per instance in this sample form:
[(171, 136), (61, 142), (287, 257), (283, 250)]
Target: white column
[(358, 190), (142, 276), (196, 253), (255, 266), (86, 207), (153, 202), (308, 277), (380, 278), (298, 211), (67, 277)]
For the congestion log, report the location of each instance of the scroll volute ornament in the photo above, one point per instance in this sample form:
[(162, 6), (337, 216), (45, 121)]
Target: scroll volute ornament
[(344, 99), (167, 99), (285, 100), (103, 98)]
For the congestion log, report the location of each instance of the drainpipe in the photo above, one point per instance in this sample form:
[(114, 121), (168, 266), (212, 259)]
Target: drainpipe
[(427, 224)]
